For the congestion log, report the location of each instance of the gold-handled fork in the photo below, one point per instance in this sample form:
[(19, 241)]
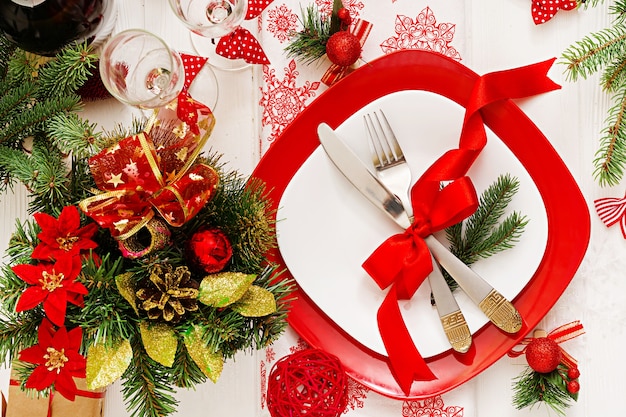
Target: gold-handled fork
[(393, 170)]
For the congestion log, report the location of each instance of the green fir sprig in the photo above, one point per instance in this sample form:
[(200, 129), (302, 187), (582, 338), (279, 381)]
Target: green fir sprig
[(534, 388), (485, 233), (605, 51)]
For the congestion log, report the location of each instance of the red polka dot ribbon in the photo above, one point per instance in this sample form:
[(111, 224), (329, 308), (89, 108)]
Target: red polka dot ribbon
[(544, 10), (188, 110), (612, 210), (240, 43)]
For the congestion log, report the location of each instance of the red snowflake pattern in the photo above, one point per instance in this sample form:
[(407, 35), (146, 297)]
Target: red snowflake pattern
[(282, 100), (326, 6), (422, 33), (270, 354), (263, 374), (281, 22), (430, 407), (357, 393), (299, 346)]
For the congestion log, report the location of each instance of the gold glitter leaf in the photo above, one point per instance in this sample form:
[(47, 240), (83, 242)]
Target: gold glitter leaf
[(160, 342), (106, 364), (224, 288), (210, 363), (125, 287), (256, 302)]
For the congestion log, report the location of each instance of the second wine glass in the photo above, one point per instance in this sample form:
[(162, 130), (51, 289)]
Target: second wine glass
[(208, 21)]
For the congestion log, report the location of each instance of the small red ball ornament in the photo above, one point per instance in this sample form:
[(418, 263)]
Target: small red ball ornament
[(209, 250), (343, 48), (573, 387), (344, 15), (309, 383), (543, 355), (573, 373)]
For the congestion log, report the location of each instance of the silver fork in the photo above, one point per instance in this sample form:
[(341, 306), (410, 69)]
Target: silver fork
[(390, 162), (394, 172)]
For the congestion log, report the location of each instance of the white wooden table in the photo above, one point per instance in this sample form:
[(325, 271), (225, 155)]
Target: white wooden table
[(494, 35)]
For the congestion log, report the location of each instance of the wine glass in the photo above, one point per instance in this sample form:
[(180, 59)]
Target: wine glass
[(208, 21), (138, 68)]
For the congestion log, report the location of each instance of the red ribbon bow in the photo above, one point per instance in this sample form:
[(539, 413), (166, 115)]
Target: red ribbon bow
[(559, 335), (359, 28), (403, 261), (544, 10), (189, 110), (612, 210), (240, 43)]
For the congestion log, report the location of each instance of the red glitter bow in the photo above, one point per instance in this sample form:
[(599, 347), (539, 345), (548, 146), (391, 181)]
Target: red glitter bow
[(612, 210), (240, 43), (359, 28), (544, 10), (149, 172), (402, 261), (559, 335)]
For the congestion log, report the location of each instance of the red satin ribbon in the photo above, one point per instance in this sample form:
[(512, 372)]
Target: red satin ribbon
[(361, 29), (79, 392), (403, 260), (559, 335)]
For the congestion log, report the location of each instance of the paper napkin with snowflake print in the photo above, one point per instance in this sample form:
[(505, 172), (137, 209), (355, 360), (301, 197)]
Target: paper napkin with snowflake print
[(289, 85)]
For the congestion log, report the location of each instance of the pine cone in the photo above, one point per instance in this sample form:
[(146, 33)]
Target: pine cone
[(169, 293)]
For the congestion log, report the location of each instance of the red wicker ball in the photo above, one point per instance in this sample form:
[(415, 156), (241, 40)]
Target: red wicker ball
[(309, 382)]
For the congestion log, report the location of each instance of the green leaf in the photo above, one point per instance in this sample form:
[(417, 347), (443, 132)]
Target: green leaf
[(225, 288), (106, 364)]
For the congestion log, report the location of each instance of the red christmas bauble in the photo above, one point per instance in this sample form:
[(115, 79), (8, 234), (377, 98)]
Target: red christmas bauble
[(573, 387), (343, 48), (344, 15), (573, 373), (209, 250), (543, 355)]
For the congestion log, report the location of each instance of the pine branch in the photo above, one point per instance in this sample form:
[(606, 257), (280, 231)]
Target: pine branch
[(68, 72), (146, 388), (18, 332), (610, 159), (185, 373), (532, 388), (309, 44), (6, 50), (74, 135)]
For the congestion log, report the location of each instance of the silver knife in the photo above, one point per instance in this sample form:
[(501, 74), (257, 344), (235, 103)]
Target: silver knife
[(452, 320), (494, 305)]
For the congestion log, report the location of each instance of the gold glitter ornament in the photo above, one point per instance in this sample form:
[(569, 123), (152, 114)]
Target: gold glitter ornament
[(256, 302), (105, 364), (210, 363), (169, 293), (124, 283), (224, 288), (160, 342)]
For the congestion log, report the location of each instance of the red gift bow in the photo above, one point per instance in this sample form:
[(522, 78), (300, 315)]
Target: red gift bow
[(240, 43), (361, 29), (188, 110), (544, 10), (559, 335), (612, 210), (403, 261)]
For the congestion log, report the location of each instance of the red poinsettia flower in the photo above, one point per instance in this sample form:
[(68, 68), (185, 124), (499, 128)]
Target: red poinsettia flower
[(57, 358), (53, 284), (63, 235)]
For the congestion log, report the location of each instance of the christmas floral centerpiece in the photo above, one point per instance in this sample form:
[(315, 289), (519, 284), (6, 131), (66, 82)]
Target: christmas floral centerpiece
[(144, 259)]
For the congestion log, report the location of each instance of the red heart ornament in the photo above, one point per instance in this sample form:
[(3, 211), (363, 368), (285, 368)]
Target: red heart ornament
[(564, 204)]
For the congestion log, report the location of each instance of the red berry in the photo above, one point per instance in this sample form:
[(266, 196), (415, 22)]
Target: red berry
[(344, 15), (573, 373), (573, 387), (343, 48), (543, 355)]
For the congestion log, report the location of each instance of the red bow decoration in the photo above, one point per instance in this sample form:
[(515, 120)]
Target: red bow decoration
[(544, 10), (612, 210), (403, 261), (154, 170), (188, 110), (240, 43), (361, 29), (559, 335)]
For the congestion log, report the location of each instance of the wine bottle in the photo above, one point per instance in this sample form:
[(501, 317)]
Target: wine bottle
[(45, 26)]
